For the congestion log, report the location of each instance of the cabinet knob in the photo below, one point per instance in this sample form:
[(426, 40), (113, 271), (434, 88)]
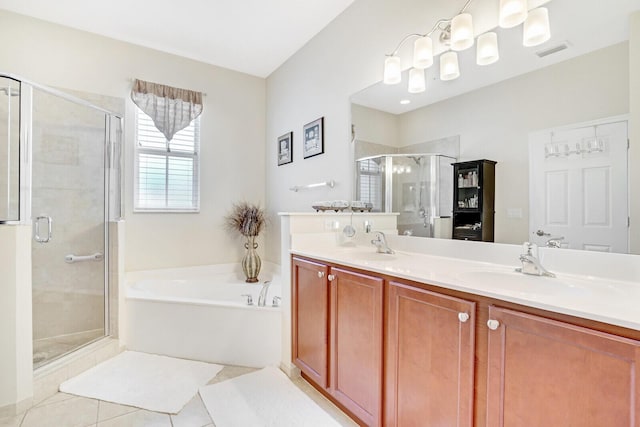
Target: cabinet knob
[(463, 317), (493, 324), (320, 274), (331, 277)]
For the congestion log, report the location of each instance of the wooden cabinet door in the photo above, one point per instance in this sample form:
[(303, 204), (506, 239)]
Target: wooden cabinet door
[(430, 358), (356, 344), (310, 319), (548, 373)]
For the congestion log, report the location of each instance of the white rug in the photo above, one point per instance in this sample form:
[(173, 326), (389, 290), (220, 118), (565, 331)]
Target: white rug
[(263, 398), (147, 381)]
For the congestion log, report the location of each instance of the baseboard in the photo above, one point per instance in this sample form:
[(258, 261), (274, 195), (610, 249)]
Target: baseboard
[(291, 370)]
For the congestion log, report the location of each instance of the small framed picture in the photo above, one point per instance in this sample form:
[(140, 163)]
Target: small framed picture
[(285, 149), (313, 135)]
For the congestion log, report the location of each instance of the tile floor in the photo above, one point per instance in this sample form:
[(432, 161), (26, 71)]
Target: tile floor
[(66, 410)]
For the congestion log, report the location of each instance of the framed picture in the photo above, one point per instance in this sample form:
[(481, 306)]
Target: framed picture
[(285, 149), (313, 138)]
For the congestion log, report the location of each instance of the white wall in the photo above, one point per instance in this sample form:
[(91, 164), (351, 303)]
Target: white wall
[(375, 126), (494, 122), (634, 130), (233, 129), (16, 368)]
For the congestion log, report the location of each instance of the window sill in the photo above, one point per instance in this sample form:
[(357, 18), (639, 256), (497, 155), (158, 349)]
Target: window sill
[(166, 210)]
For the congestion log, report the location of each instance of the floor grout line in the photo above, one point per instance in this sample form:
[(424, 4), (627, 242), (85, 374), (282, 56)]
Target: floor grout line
[(98, 412)]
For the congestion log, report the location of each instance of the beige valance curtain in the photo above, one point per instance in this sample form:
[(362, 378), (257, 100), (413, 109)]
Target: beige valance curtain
[(170, 108)]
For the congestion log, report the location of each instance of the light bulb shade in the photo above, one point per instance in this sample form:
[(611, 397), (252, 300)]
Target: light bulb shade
[(392, 70), (423, 52), (512, 13), (462, 32), (487, 49), (449, 69), (417, 82), (536, 27)]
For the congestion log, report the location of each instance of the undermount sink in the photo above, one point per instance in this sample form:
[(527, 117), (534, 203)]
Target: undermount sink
[(369, 255), (512, 281)]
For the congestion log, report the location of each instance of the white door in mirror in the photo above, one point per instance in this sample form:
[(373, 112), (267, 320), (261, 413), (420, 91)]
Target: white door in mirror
[(578, 186)]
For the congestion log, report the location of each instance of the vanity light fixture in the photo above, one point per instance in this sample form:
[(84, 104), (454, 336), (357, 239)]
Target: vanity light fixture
[(536, 27), (449, 69), (417, 83), (392, 70), (457, 34), (462, 32), (487, 52), (512, 13)]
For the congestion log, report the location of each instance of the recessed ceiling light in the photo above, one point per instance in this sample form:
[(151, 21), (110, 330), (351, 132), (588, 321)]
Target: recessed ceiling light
[(405, 102)]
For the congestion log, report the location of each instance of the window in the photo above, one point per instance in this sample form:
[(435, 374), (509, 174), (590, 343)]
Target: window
[(370, 183), (167, 172)]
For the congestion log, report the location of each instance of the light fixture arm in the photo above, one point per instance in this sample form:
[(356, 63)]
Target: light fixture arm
[(437, 26), (403, 41)]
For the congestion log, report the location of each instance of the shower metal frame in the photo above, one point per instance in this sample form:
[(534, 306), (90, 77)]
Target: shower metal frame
[(26, 157), (434, 189)]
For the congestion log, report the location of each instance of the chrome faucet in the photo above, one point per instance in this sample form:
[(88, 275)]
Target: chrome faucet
[(380, 242), (554, 242), (531, 263), (262, 298)]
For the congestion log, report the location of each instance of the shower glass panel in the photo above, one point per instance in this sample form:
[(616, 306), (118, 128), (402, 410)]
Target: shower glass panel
[(68, 214), (419, 187), (9, 149)]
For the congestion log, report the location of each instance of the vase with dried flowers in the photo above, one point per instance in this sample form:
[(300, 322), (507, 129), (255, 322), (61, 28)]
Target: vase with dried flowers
[(248, 220)]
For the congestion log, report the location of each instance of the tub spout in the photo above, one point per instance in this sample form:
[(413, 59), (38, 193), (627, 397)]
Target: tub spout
[(263, 293)]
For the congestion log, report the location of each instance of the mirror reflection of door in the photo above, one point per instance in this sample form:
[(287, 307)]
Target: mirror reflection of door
[(579, 187)]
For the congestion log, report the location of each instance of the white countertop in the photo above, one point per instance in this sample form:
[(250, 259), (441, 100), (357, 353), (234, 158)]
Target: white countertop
[(605, 300)]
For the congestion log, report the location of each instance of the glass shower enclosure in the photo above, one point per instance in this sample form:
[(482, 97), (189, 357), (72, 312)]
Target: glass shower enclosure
[(419, 187), (60, 167)]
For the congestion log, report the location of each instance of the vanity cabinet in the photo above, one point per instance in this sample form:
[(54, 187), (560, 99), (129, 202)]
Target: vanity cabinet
[(429, 358), (543, 372), (456, 359), (474, 200), (337, 327), (310, 320), (356, 343)]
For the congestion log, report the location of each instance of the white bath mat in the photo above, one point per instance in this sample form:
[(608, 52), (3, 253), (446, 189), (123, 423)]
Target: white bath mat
[(147, 381), (262, 398)]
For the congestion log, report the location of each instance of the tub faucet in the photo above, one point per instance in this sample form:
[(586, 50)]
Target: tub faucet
[(380, 242), (531, 262), (262, 298), (555, 242)]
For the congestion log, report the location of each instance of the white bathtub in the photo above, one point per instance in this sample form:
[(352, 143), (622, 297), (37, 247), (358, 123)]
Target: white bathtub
[(198, 313)]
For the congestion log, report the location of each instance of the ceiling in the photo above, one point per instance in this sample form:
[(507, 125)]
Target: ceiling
[(250, 36), (586, 25)]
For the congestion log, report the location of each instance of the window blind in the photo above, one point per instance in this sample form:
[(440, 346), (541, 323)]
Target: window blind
[(370, 184), (167, 176)]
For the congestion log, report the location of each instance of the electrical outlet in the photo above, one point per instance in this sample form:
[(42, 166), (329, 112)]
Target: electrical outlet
[(515, 213)]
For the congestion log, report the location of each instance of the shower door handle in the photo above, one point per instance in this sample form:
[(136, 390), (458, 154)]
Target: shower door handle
[(37, 236)]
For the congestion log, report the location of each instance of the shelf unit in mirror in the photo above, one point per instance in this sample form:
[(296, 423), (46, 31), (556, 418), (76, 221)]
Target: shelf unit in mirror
[(473, 200)]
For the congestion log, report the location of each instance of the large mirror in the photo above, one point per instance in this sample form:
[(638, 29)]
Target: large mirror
[(562, 107)]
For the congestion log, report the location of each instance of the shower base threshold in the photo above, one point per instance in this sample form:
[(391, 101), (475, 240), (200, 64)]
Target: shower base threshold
[(46, 350)]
